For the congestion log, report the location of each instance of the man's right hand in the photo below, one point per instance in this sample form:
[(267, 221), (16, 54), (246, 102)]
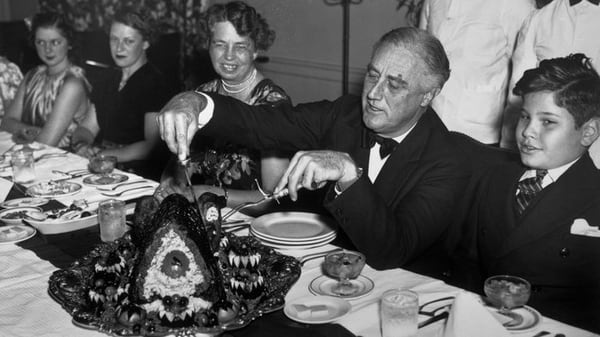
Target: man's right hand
[(178, 122)]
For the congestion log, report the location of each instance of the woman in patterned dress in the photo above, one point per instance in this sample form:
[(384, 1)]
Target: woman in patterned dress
[(53, 98), (10, 78)]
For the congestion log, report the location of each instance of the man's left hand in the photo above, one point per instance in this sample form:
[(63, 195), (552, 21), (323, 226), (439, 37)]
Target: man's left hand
[(313, 169)]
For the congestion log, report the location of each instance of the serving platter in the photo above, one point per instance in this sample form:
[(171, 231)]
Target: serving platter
[(57, 226), (70, 288)]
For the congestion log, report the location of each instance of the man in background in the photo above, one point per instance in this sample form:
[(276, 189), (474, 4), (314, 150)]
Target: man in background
[(479, 37)]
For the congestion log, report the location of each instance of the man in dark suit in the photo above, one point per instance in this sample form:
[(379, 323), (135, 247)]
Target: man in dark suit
[(534, 217), (395, 208)]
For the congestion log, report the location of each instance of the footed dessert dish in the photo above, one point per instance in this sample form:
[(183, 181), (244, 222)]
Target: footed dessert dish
[(174, 273)]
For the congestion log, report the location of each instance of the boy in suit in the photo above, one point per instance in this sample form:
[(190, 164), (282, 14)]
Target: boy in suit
[(532, 217)]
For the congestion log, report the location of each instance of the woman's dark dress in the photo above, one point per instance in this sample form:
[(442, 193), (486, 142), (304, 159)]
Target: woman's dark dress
[(121, 113)]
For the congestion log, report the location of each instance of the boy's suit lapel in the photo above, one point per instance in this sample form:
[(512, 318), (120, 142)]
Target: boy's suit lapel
[(550, 210)]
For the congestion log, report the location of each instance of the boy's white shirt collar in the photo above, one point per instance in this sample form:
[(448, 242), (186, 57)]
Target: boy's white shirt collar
[(553, 174)]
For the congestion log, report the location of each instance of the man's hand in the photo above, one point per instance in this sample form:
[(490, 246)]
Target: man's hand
[(178, 122), (313, 169)]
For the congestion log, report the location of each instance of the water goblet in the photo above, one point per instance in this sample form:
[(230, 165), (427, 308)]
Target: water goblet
[(103, 165), (507, 292), (344, 266)]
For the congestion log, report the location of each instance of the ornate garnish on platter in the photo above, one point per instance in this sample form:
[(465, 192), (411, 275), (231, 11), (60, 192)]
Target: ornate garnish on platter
[(173, 275)]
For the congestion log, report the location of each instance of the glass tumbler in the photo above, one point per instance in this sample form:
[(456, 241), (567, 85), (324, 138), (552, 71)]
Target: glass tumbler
[(111, 218), (23, 166), (399, 313)]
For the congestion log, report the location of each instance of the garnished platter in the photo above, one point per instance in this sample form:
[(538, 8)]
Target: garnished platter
[(159, 280)]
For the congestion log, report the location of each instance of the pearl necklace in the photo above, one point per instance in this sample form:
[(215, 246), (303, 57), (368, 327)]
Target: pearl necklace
[(231, 89)]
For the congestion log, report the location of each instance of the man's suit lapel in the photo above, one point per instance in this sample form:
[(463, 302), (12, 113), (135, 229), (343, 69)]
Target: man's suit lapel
[(551, 210)]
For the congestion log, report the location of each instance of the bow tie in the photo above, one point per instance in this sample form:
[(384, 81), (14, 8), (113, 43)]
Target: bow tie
[(386, 145), (575, 2)]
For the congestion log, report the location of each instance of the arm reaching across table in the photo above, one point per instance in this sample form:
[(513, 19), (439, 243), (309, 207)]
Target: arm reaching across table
[(179, 120)]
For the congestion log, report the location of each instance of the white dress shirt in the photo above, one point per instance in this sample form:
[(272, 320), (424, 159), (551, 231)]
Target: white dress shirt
[(551, 176), (479, 38), (375, 160), (556, 30)]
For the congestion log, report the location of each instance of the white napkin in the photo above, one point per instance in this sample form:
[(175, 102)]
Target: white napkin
[(582, 227), (5, 186), (469, 318)]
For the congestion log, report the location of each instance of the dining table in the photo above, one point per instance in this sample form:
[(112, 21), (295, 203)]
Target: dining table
[(27, 309)]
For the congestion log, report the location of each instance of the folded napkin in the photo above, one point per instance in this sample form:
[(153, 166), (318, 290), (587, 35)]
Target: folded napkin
[(469, 318), (5, 187), (582, 227)]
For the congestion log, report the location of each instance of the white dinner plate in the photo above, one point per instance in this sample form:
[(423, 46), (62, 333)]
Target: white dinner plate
[(24, 202), (292, 243), (531, 319), (295, 245), (294, 226), (324, 284), (300, 247), (317, 309), (53, 189), (105, 179), (9, 217), (15, 233)]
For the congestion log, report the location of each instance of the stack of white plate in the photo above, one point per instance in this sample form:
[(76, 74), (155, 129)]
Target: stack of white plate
[(294, 230)]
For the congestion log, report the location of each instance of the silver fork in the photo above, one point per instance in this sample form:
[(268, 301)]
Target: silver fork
[(308, 257), (101, 188), (266, 197), (118, 194), (51, 155)]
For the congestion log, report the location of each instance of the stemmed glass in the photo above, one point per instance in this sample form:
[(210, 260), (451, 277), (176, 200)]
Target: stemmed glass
[(103, 165), (344, 266), (507, 292)]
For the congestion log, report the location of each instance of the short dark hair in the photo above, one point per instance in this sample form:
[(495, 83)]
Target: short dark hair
[(137, 19), (51, 20), (572, 79), (427, 46), (244, 18)]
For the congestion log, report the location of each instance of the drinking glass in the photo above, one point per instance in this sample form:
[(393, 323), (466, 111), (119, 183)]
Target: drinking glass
[(23, 166), (103, 165), (399, 313), (111, 218)]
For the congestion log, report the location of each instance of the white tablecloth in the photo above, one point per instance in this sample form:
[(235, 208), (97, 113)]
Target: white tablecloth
[(27, 310), (46, 169)]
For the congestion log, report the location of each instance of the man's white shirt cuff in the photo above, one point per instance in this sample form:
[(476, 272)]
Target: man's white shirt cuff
[(206, 114)]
